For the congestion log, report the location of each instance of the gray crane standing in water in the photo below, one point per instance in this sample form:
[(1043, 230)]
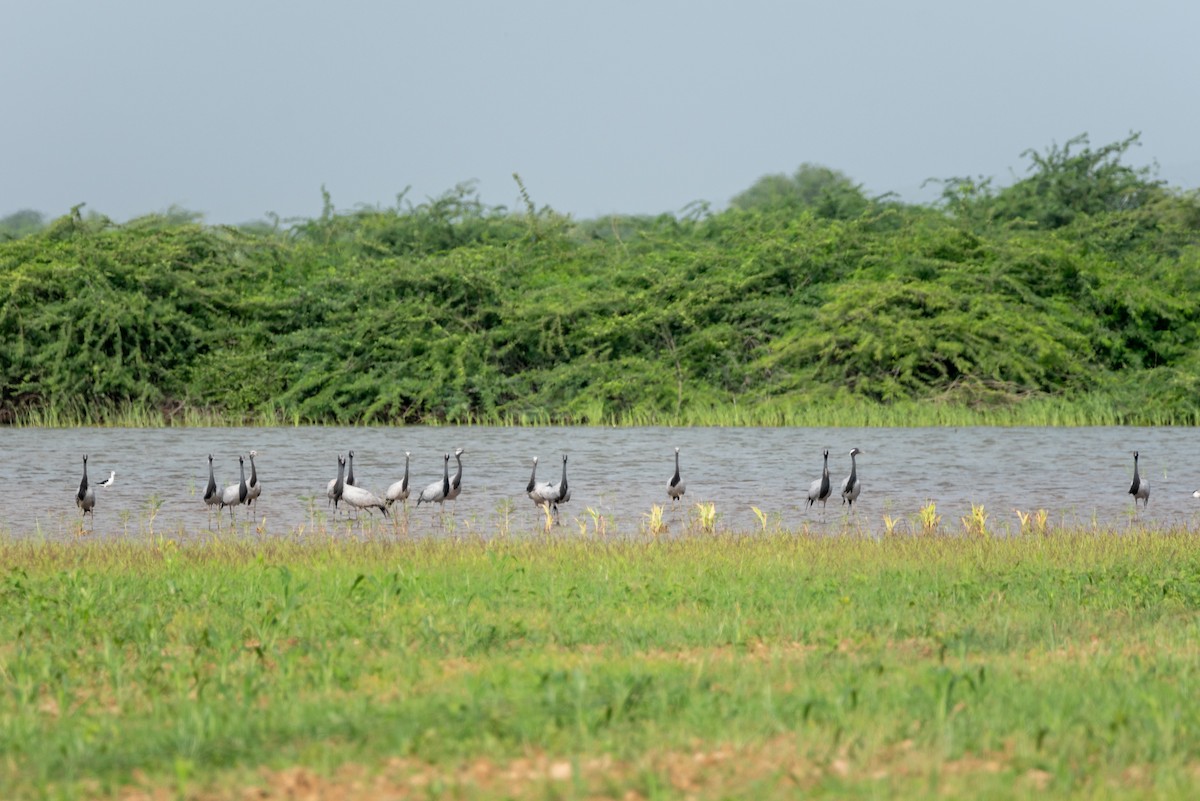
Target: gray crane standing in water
[(676, 488), (820, 490), (357, 497), (563, 489), (851, 486), (338, 483), (85, 498), (1140, 488), (347, 478), (539, 492), (211, 496), (254, 487), (542, 493), (235, 494), (456, 480), (399, 490), (438, 490)]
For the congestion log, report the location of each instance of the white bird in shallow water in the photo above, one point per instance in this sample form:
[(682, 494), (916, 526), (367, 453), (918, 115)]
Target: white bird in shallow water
[(85, 497), (211, 496), (399, 490), (235, 494), (1140, 488), (108, 482), (547, 495), (358, 497), (851, 486), (820, 490), (255, 486), (540, 492), (438, 490), (676, 488)]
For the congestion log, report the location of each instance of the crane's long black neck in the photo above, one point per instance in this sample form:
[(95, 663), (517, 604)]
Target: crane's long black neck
[(83, 484), (243, 490), (404, 484), (350, 470), (853, 471), (457, 476), (211, 489), (340, 484), (824, 478), (253, 473), (562, 485), (675, 478), (532, 478), (1137, 479), (446, 476)]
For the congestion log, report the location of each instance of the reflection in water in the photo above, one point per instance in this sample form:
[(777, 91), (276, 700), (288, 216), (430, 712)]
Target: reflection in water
[(1081, 475)]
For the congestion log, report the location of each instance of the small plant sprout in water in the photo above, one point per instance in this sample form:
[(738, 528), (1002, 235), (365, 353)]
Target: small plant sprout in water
[(976, 522), (654, 520), (761, 516), (928, 518), (706, 517), (152, 505), (889, 525), (504, 513)]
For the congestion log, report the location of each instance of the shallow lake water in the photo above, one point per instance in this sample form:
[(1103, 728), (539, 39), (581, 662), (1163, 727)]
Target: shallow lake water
[(1081, 475)]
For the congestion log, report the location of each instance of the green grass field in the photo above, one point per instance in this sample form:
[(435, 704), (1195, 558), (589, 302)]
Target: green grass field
[(756, 666)]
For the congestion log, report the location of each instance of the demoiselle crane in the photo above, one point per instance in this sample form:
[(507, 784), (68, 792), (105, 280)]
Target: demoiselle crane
[(820, 490), (851, 486), (1140, 488), (676, 487)]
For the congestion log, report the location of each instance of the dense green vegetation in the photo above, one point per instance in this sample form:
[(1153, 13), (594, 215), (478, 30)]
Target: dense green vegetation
[(699, 667), (1072, 295)]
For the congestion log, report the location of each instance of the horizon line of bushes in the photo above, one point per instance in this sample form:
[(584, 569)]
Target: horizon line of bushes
[(1070, 297)]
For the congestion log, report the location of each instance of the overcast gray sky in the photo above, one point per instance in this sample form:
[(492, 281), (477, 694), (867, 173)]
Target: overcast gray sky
[(240, 109)]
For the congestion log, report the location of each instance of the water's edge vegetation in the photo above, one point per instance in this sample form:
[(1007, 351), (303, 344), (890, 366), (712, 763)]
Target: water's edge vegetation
[(1070, 297)]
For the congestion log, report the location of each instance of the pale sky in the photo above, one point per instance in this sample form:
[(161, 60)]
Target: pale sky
[(240, 109)]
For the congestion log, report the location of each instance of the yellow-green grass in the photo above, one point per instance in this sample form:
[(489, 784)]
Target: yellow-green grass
[(1086, 410), (762, 665)]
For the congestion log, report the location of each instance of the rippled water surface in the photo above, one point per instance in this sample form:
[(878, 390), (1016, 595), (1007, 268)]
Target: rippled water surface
[(1081, 475)]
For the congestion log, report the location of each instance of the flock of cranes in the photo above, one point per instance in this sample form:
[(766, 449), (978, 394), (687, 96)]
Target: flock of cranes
[(544, 494), (343, 488)]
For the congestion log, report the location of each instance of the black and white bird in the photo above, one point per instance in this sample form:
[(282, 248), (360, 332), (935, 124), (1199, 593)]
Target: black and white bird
[(347, 478), (254, 487), (456, 479), (85, 497), (561, 491), (1140, 488), (399, 490), (108, 482), (211, 496), (820, 490), (235, 494), (542, 493), (358, 497), (851, 486), (676, 487), (338, 483), (438, 490)]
